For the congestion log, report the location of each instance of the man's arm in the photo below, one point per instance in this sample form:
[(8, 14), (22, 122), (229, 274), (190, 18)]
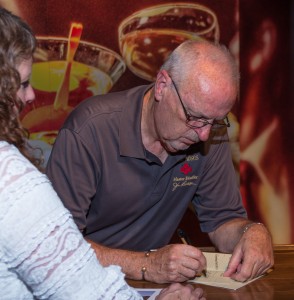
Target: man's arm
[(251, 245), (74, 174), (172, 263)]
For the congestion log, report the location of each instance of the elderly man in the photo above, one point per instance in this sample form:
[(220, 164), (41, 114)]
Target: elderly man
[(128, 164)]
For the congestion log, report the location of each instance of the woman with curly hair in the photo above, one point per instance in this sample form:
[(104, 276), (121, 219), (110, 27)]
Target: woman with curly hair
[(42, 253), (17, 47)]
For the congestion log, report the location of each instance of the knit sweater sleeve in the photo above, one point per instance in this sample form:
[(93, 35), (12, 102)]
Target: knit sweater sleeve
[(42, 253)]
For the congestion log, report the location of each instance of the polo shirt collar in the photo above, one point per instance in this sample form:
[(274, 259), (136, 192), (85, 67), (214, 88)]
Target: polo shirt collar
[(130, 138)]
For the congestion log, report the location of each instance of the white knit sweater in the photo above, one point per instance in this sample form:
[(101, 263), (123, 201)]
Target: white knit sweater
[(42, 253)]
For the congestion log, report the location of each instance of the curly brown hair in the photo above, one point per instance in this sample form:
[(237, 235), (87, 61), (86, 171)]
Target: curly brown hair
[(17, 43)]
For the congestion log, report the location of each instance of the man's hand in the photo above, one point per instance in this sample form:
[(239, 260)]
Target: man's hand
[(252, 256), (174, 263), (179, 291)]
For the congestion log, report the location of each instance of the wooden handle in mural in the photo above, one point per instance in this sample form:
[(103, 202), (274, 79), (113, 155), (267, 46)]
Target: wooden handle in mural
[(61, 99)]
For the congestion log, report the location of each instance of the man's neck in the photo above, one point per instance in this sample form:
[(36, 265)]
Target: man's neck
[(149, 136)]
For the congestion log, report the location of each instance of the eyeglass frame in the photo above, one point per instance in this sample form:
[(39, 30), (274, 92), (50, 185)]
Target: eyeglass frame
[(190, 118)]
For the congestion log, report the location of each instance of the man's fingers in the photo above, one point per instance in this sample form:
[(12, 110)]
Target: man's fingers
[(180, 262), (234, 264)]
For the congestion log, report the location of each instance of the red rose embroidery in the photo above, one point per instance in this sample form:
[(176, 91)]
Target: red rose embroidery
[(186, 169)]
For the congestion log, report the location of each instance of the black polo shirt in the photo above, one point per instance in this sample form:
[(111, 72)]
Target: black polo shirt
[(120, 194)]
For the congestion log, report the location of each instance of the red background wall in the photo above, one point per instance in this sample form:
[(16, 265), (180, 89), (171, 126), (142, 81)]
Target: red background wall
[(258, 33)]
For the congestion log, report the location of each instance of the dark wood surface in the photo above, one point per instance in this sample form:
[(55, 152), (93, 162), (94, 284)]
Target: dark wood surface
[(277, 285)]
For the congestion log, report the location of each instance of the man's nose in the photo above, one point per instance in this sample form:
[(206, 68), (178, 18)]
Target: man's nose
[(203, 132)]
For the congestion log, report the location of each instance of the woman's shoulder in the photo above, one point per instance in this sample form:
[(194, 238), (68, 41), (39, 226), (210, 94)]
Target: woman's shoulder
[(15, 168), (5, 146), (9, 154), (7, 149)]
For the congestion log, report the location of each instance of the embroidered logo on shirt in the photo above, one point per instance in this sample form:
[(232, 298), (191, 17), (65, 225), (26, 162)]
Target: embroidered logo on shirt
[(180, 182), (186, 169), (192, 157)]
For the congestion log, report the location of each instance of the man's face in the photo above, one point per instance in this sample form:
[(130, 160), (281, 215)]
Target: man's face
[(174, 105)]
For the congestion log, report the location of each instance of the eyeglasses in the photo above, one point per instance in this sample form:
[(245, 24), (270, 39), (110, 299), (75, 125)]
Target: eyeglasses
[(194, 122)]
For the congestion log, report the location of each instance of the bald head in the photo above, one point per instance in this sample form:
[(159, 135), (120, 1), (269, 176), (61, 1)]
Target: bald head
[(204, 68), (189, 56)]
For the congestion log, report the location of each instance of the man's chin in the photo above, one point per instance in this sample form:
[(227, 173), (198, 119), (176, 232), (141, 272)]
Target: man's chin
[(178, 148)]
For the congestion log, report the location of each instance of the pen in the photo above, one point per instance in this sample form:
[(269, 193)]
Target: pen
[(183, 236), (185, 240)]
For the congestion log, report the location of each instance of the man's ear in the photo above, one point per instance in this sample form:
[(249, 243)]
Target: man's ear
[(162, 81)]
